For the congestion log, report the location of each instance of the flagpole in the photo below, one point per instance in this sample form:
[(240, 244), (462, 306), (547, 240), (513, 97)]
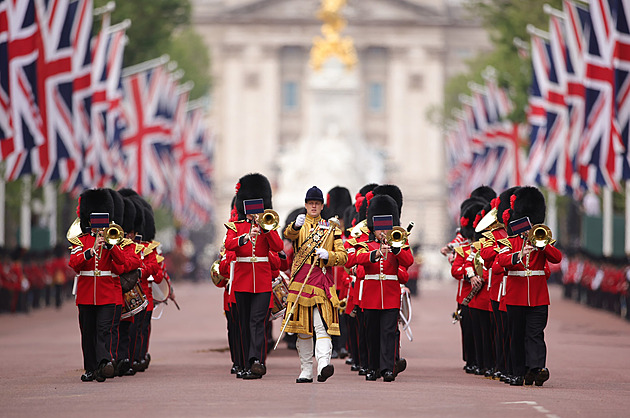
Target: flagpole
[(147, 65), (607, 219), (25, 213), (552, 211), (627, 217), (50, 196)]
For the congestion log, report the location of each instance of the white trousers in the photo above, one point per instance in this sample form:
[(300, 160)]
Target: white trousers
[(323, 347)]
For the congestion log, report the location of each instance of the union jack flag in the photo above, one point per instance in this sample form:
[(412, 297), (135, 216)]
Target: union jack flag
[(621, 64)]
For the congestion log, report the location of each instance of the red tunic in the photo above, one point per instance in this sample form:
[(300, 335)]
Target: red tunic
[(527, 286), (150, 268), (482, 299), (459, 273), (381, 285), (97, 279), (253, 277)]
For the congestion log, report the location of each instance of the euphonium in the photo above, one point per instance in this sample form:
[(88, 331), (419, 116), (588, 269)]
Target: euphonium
[(397, 237), (74, 231), (268, 220), (539, 236), (343, 303), (114, 234)]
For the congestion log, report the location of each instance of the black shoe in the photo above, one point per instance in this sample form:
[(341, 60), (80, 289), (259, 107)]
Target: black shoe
[(497, 375), (343, 353), (371, 376), (355, 368), (479, 371), (240, 373), (258, 368), (143, 365), (129, 372), (303, 380), (87, 377), (542, 376), (349, 361), (234, 369), (470, 369), (528, 380), (136, 366), (98, 376), (517, 381), (147, 357), (334, 354), (399, 366), (107, 370), (327, 371), (363, 372), (122, 367), (249, 375), (388, 376), (488, 374)]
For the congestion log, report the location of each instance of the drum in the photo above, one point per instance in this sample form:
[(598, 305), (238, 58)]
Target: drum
[(405, 312), (161, 291), (279, 292), (133, 302)]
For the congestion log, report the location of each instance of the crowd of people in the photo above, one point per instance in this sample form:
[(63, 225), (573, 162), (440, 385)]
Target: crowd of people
[(501, 257), (33, 280), (335, 274)]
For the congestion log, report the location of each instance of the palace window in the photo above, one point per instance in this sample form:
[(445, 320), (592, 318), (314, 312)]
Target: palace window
[(290, 95), (376, 97)]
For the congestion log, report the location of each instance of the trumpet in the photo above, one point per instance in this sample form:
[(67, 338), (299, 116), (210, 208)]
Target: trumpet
[(114, 234), (539, 236), (268, 220), (397, 237)]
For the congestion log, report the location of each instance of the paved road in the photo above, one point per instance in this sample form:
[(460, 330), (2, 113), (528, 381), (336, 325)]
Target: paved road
[(40, 360)]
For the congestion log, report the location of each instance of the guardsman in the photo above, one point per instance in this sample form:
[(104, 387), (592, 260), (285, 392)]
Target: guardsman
[(381, 260), (98, 290), (251, 282), (526, 261), (318, 247)]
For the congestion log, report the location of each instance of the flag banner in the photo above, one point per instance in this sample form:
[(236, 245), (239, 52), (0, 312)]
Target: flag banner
[(99, 220), (383, 222), (521, 225), (253, 206)]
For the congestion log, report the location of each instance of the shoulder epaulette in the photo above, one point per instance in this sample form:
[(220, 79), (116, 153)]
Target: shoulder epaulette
[(154, 244), (352, 241), (125, 242), (488, 235), (230, 225), (363, 245), (505, 241), (488, 243), (477, 245), (459, 251), (139, 248), (159, 258), (76, 240)]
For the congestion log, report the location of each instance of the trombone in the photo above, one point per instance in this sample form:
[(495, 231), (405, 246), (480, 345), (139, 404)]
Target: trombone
[(539, 236), (114, 234), (397, 237), (268, 220)]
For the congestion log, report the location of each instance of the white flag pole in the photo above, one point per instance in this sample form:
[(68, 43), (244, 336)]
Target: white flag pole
[(607, 219), (552, 212), (25, 214), (50, 205)]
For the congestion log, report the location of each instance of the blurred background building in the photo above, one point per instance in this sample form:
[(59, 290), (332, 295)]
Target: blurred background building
[(272, 113)]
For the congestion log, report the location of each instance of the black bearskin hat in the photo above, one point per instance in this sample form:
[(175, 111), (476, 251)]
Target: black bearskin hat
[(504, 207), (128, 192), (484, 192), (149, 224), (471, 207), (529, 202), (94, 201), (138, 222), (130, 215), (337, 200), (119, 207), (382, 205), (392, 191), (252, 186)]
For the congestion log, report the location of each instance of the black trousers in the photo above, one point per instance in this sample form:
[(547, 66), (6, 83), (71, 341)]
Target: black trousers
[(135, 336), (234, 336), (501, 339), (468, 340), (382, 343), (99, 333), (362, 341), (341, 341), (145, 334), (527, 347), (123, 340), (482, 334), (353, 338), (253, 309)]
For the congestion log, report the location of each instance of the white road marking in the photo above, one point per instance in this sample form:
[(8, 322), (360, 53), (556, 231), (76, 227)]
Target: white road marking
[(534, 405)]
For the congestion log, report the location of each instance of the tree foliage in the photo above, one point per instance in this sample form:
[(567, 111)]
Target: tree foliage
[(504, 20)]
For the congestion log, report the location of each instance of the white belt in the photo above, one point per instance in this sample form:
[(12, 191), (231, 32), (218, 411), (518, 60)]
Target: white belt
[(251, 259), (97, 273), (526, 273), (381, 277)]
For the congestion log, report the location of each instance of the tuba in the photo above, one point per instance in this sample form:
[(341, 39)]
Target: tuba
[(539, 236), (114, 234), (397, 237), (268, 220)]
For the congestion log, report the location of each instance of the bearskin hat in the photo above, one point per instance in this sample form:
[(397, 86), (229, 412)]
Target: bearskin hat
[(337, 200), (529, 201), (484, 192), (119, 207), (94, 201), (128, 192), (130, 215), (382, 205), (252, 186), (471, 207), (138, 222), (149, 224), (504, 206), (392, 191)]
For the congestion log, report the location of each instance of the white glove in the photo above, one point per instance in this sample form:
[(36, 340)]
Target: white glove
[(299, 221), (321, 253)]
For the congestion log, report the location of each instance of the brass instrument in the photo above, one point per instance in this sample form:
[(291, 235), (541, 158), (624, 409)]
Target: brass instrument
[(215, 275), (457, 315), (397, 237), (343, 303), (268, 220), (74, 231), (478, 264), (114, 234), (539, 236)]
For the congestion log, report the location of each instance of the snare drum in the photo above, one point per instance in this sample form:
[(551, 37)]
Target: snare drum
[(161, 291), (280, 292), (133, 302)]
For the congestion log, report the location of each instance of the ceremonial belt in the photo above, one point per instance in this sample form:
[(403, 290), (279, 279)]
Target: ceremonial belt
[(97, 273), (381, 277), (308, 247), (251, 259), (526, 273)]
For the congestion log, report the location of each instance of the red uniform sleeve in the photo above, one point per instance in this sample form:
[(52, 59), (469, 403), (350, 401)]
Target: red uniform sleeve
[(553, 255), (231, 240), (275, 242)]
